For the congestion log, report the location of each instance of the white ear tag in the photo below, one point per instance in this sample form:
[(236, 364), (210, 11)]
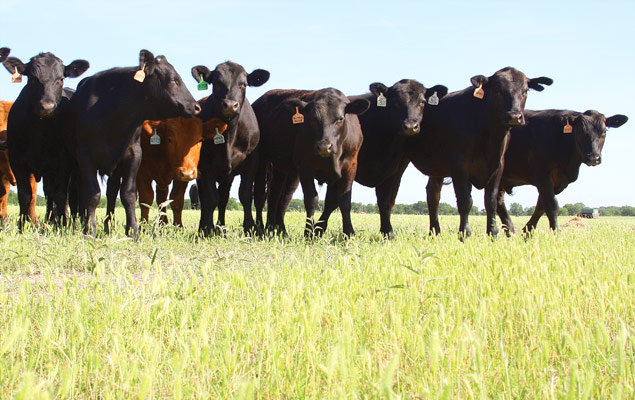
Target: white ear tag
[(219, 138), (433, 100), (155, 139), (381, 100)]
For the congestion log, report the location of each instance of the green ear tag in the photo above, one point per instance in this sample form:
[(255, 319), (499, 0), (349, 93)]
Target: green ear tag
[(155, 139), (202, 85)]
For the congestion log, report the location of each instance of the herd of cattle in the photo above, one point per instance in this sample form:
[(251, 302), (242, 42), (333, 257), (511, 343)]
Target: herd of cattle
[(139, 125)]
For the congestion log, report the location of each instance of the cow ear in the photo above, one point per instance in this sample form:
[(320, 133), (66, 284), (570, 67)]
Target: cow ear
[(478, 80), (258, 77), (4, 53), (146, 58), (12, 63), (440, 90), (536, 83), (210, 126), (616, 121), (291, 104), (76, 68), (358, 106), (201, 72), (378, 88)]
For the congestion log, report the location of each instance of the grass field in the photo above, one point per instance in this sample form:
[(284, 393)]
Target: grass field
[(174, 316)]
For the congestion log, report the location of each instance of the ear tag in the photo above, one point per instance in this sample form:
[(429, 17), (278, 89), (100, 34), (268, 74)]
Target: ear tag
[(155, 139), (202, 85), (479, 93), (219, 138), (433, 100), (297, 117), (381, 100), (567, 128), (140, 75), (16, 77)]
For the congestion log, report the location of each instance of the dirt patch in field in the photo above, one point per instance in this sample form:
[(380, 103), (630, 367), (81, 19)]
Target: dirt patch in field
[(576, 222)]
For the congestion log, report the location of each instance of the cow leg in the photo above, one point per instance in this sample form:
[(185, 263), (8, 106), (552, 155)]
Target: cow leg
[(491, 202), (433, 193), (223, 198), (4, 195), (310, 203), (501, 209), (162, 197), (48, 186), (260, 192), (146, 196), (290, 186), (274, 198), (33, 199), (208, 198), (246, 192), (547, 198), (330, 204), (463, 192), (73, 195), (177, 195), (90, 194), (112, 190), (345, 194), (25, 194), (535, 217), (128, 191)]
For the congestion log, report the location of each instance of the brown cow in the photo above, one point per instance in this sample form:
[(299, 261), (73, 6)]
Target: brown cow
[(172, 159), (6, 175)]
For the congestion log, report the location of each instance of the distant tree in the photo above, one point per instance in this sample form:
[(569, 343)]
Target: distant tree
[(516, 209), (564, 212)]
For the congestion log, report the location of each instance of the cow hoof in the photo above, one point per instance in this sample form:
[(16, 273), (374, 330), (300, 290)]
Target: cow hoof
[(388, 235)]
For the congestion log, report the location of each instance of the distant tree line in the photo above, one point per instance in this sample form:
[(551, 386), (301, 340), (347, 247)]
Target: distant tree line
[(418, 208)]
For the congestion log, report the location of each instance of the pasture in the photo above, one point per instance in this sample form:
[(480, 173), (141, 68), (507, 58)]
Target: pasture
[(174, 316)]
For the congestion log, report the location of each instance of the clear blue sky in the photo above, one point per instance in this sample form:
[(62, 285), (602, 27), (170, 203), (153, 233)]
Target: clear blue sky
[(586, 47)]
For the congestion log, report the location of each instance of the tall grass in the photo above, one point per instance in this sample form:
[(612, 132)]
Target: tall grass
[(175, 316)]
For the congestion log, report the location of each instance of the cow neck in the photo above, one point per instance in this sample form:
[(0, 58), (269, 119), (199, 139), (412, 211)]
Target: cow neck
[(571, 160)]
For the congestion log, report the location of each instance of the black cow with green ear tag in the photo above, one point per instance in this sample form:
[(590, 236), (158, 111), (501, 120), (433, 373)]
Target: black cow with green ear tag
[(382, 158), (322, 145), (33, 128), (465, 137), (104, 123), (541, 154), (234, 152)]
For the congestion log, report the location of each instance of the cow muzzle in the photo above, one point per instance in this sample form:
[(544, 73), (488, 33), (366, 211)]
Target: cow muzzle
[(410, 128), (229, 107), (324, 149), (47, 108), (514, 119), (186, 175), (592, 160)]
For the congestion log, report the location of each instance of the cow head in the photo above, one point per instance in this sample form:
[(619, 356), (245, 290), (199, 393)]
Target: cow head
[(589, 130), (164, 91), (405, 101), (505, 94), (181, 140), (4, 53), (325, 118), (46, 75), (229, 85)]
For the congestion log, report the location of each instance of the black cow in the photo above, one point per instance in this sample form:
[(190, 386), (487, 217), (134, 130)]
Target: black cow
[(322, 144), (386, 126), (465, 137), (4, 53), (195, 205), (547, 153), (33, 128), (105, 120), (233, 152)]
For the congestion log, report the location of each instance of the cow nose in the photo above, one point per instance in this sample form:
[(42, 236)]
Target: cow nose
[(324, 150), (410, 128), (230, 106), (593, 159), (47, 106), (514, 119), (186, 175), (197, 109)]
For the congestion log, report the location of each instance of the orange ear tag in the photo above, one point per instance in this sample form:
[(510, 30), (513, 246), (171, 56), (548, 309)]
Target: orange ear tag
[(297, 117), (16, 77), (567, 128), (479, 93), (140, 75)]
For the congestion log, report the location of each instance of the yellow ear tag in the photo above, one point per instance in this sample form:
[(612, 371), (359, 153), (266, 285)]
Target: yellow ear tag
[(297, 117), (16, 77), (479, 93), (140, 76), (567, 128)]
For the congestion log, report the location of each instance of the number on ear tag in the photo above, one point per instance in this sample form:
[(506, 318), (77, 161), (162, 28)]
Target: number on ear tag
[(567, 128), (16, 77), (140, 75), (297, 117), (479, 93), (433, 100), (155, 139), (219, 138), (202, 85), (381, 100)]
